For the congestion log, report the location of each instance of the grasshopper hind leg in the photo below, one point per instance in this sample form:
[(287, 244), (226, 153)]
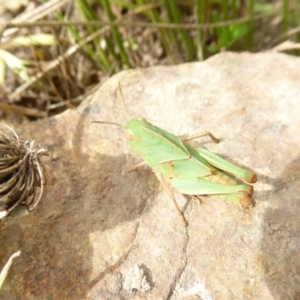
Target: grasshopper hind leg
[(199, 135), (241, 198)]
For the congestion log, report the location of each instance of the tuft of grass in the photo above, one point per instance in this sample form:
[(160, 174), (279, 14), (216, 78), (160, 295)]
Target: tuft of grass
[(136, 33), (21, 172)]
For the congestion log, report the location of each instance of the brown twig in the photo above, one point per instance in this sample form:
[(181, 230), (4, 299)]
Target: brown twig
[(118, 23), (31, 112)]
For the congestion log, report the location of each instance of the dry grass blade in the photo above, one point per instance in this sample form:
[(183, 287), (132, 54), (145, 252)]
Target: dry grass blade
[(21, 173), (33, 15), (26, 111), (4, 271), (286, 46), (15, 96)]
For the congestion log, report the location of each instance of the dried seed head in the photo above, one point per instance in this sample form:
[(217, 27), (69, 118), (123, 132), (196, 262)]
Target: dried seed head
[(21, 173)]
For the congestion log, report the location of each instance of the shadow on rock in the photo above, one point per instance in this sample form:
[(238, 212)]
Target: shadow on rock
[(280, 254), (85, 196)]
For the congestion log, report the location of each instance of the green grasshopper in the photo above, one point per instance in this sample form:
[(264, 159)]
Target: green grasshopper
[(188, 170), (191, 171)]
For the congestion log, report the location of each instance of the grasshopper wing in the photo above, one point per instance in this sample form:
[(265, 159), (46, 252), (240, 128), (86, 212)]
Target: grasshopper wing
[(153, 144)]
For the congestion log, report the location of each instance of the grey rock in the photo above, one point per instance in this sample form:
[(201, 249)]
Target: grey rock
[(95, 222)]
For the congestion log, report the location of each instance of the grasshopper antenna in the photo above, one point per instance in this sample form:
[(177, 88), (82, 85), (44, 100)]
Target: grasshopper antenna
[(106, 122), (124, 107), (123, 102)]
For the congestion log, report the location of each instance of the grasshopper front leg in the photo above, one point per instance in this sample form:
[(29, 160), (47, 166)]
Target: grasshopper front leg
[(168, 190)]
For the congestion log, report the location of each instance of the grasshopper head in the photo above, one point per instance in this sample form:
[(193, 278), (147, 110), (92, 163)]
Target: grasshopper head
[(134, 128)]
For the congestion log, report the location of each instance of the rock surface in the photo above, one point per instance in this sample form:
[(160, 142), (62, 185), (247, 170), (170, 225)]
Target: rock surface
[(100, 233)]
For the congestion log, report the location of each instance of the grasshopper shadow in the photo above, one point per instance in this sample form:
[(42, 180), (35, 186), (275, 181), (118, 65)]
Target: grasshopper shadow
[(281, 240), (85, 196)]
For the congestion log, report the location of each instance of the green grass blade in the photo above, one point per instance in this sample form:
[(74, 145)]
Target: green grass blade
[(225, 13), (154, 17), (285, 15), (89, 14), (172, 32), (200, 17), (175, 17), (116, 34), (250, 36), (86, 10)]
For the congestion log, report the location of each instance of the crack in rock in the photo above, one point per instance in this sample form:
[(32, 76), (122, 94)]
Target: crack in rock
[(132, 246), (138, 273), (182, 269)]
